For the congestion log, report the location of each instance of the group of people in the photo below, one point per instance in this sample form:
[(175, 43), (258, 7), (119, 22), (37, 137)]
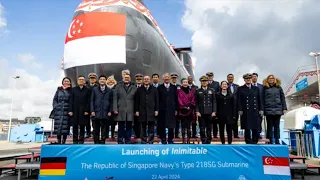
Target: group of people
[(146, 104)]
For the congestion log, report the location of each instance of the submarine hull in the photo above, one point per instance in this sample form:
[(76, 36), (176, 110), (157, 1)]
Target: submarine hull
[(146, 50)]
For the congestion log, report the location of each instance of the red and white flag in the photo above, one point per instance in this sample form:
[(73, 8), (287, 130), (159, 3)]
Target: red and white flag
[(94, 38), (276, 165)]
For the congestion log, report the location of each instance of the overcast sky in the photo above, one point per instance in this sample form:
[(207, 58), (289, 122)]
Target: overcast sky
[(228, 36)]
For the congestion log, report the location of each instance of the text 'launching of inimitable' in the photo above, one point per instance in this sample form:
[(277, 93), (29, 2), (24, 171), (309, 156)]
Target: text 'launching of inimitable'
[(166, 151)]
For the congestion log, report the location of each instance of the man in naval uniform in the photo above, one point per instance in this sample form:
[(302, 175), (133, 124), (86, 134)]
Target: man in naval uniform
[(206, 109), (174, 79), (250, 109), (136, 125), (91, 84), (216, 87)]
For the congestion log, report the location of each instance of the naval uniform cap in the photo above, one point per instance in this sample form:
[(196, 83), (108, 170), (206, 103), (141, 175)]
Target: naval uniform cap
[(247, 76), (139, 76), (174, 74), (92, 75), (203, 78), (209, 74)]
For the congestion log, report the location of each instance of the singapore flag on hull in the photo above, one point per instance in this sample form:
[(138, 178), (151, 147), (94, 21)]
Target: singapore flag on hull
[(95, 38)]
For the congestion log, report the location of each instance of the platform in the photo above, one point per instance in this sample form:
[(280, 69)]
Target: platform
[(239, 140), (173, 161)]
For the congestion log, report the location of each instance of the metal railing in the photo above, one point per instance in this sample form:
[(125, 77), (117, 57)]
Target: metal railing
[(297, 72)]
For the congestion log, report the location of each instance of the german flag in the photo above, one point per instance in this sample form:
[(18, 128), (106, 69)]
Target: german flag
[(53, 166)]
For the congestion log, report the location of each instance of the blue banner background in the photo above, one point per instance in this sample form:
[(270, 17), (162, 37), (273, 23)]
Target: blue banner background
[(85, 162)]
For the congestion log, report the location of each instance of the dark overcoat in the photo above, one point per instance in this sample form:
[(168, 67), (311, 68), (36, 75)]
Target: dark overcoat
[(215, 85), (101, 102), (250, 104), (91, 88), (168, 105), (146, 103), (226, 108), (274, 101), (123, 102), (60, 111), (79, 104)]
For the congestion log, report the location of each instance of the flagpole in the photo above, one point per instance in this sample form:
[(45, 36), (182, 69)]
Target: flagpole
[(11, 109)]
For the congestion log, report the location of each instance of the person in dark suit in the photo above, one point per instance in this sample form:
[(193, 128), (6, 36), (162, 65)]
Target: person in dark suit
[(206, 109), (101, 108), (233, 88), (212, 83), (216, 87), (155, 83), (91, 84), (136, 123), (250, 107), (147, 109), (168, 106), (193, 88), (260, 86), (79, 106), (226, 111), (174, 80)]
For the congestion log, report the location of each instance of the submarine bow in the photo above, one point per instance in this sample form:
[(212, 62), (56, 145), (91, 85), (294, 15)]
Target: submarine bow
[(107, 36)]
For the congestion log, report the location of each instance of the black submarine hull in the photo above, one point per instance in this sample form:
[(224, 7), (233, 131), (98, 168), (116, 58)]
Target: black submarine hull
[(146, 50)]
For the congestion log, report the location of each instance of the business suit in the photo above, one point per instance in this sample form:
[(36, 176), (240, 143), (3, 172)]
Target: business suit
[(123, 103), (233, 89), (136, 123), (168, 106)]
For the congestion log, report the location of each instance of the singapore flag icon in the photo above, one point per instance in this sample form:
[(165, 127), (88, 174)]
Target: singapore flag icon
[(276, 165)]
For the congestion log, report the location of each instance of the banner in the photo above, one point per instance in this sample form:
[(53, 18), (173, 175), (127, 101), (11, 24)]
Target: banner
[(124, 162)]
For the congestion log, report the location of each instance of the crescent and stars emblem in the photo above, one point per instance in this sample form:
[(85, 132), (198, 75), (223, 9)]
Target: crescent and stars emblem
[(268, 161), (69, 34), (75, 27)]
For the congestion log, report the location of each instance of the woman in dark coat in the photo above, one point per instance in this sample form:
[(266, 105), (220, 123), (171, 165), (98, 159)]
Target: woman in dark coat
[(60, 110), (274, 106), (226, 111), (186, 108)]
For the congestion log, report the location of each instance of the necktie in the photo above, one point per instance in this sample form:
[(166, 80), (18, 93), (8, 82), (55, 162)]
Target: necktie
[(147, 87), (102, 88)]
